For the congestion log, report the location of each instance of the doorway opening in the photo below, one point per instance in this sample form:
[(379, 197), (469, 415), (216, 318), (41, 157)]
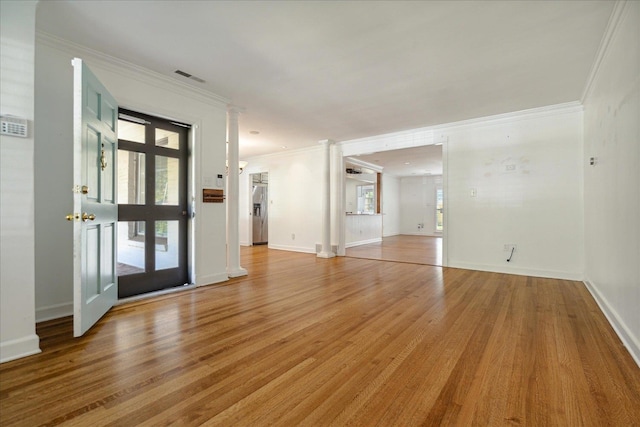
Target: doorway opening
[(412, 227), (260, 208), (152, 204)]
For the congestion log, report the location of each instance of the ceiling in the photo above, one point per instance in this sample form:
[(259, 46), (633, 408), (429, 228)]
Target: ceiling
[(305, 71)]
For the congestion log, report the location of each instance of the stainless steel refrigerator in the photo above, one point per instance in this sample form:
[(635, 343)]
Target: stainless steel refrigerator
[(260, 215)]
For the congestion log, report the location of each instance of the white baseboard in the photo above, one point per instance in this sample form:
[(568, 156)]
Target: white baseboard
[(18, 348), (422, 234), (363, 242), (210, 279), (549, 274), (55, 311), (293, 248), (626, 335)]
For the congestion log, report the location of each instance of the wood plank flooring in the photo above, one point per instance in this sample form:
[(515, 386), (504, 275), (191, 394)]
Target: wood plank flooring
[(402, 248), (304, 341)]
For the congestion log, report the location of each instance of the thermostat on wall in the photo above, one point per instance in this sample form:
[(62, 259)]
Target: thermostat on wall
[(14, 126)]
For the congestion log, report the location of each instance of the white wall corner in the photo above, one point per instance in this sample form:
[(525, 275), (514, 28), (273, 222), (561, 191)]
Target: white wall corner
[(628, 337)]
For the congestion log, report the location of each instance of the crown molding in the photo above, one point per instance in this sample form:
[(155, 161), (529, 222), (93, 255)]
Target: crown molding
[(430, 135), (285, 153), (129, 70), (362, 163), (514, 116), (620, 10)]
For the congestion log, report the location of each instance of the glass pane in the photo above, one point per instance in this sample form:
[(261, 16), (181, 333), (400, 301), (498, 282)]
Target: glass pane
[(131, 182), (366, 199), (130, 247), (168, 139), (167, 234), (167, 180), (439, 209), (128, 131)]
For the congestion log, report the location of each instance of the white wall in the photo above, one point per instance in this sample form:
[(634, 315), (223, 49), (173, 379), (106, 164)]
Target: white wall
[(527, 175), (351, 195), (362, 229), (418, 204), (17, 315), (612, 186), (140, 90), (390, 205), (295, 205)]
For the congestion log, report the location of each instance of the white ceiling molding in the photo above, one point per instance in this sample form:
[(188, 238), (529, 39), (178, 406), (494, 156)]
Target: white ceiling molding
[(436, 134), (362, 163), (130, 70), (619, 12)]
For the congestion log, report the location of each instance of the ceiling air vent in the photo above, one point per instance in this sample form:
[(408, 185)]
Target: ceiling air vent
[(189, 76)]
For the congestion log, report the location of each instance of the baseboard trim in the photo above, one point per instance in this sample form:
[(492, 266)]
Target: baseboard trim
[(19, 348), (293, 248), (624, 333), (55, 311), (549, 274), (212, 278), (363, 242)]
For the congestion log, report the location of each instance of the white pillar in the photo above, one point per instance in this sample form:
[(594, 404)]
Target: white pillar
[(337, 200), (233, 200), (326, 252)]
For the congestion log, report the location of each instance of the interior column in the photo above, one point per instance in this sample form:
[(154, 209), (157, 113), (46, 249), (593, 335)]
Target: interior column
[(326, 252), (233, 200)]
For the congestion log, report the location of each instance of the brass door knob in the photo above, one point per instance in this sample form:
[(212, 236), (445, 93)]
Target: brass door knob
[(84, 189), (71, 217), (89, 217)]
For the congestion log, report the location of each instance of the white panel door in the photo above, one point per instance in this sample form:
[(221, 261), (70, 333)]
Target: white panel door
[(95, 118)]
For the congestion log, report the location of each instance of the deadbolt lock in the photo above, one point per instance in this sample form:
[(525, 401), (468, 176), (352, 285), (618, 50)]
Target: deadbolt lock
[(81, 190)]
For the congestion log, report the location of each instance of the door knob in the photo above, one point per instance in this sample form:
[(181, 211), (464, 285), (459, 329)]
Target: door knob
[(84, 189), (86, 216), (71, 217)]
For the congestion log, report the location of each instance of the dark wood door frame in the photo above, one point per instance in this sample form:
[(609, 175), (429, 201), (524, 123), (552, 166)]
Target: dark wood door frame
[(151, 279)]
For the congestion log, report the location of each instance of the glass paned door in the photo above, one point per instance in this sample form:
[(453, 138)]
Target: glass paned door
[(152, 204)]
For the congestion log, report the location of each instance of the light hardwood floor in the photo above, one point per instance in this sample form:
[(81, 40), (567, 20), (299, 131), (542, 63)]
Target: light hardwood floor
[(402, 248), (343, 341)]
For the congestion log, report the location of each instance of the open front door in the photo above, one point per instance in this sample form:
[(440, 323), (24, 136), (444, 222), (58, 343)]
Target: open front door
[(95, 117)]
